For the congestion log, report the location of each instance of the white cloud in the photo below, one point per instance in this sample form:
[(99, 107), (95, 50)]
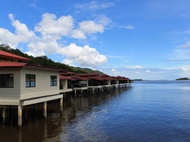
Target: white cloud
[(186, 45), (147, 71), (87, 28), (54, 26), (45, 45), (78, 34), (48, 35), (90, 27), (22, 33), (185, 71), (6, 35), (85, 56), (93, 5), (35, 53), (137, 67), (103, 20), (128, 27), (137, 72), (72, 51), (113, 70), (68, 62), (181, 53)]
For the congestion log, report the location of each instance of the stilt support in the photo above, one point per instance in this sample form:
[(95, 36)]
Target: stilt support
[(19, 115), (45, 109), (61, 104)]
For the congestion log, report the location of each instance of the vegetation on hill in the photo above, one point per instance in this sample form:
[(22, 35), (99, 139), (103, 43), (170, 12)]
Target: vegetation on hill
[(137, 79), (45, 61), (183, 78)]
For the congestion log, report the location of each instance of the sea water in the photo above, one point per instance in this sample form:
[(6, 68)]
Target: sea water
[(149, 111)]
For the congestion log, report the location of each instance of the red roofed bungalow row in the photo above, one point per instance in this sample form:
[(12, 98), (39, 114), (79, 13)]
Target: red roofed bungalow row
[(94, 76), (73, 79), (94, 79)]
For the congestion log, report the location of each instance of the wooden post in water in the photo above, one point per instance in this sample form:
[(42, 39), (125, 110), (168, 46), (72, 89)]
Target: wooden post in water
[(45, 109), (81, 91), (61, 104), (19, 115), (3, 114)]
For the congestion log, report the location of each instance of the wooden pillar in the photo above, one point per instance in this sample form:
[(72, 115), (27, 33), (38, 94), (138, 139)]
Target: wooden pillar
[(75, 93), (45, 109), (64, 95), (19, 115), (81, 91), (4, 113), (61, 104), (20, 135)]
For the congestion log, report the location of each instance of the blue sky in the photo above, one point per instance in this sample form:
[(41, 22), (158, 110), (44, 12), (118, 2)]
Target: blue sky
[(148, 39)]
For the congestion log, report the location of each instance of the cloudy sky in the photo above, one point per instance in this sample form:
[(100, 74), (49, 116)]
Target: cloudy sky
[(148, 39)]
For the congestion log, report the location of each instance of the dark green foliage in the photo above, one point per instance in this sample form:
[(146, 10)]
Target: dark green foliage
[(137, 79), (45, 61), (183, 78)]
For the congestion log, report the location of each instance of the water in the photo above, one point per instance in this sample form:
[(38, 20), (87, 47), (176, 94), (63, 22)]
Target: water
[(148, 112)]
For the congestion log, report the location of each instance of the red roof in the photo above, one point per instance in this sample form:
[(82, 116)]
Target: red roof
[(122, 78), (13, 56), (83, 75), (67, 73), (97, 78), (11, 64), (62, 77), (65, 77), (76, 77)]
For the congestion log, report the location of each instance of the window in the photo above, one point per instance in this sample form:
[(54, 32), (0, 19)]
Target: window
[(6, 80), (30, 80), (53, 80), (2, 59)]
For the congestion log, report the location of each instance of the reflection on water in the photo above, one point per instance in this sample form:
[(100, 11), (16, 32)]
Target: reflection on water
[(147, 112), (36, 128)]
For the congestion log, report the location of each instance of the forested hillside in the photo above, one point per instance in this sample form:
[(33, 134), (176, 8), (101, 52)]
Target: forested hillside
[(45, 61)]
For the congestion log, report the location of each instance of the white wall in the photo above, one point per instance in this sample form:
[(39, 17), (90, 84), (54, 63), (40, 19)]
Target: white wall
[(43, 87), (11, 94), (64, 84)]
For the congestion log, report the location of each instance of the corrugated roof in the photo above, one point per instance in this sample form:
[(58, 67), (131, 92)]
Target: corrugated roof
[(67, 73), (97, 78), (65, 77), (10, 55), (122, 78), (11, 64), (76, 77)]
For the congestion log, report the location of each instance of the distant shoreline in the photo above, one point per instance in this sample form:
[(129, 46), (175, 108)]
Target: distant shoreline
[(137, 80), (183, 78)]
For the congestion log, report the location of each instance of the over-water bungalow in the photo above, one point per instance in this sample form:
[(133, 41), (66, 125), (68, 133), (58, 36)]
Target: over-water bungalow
[(97, 82), (65, 84), (22, 84), (123, 81), (74, 81)]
